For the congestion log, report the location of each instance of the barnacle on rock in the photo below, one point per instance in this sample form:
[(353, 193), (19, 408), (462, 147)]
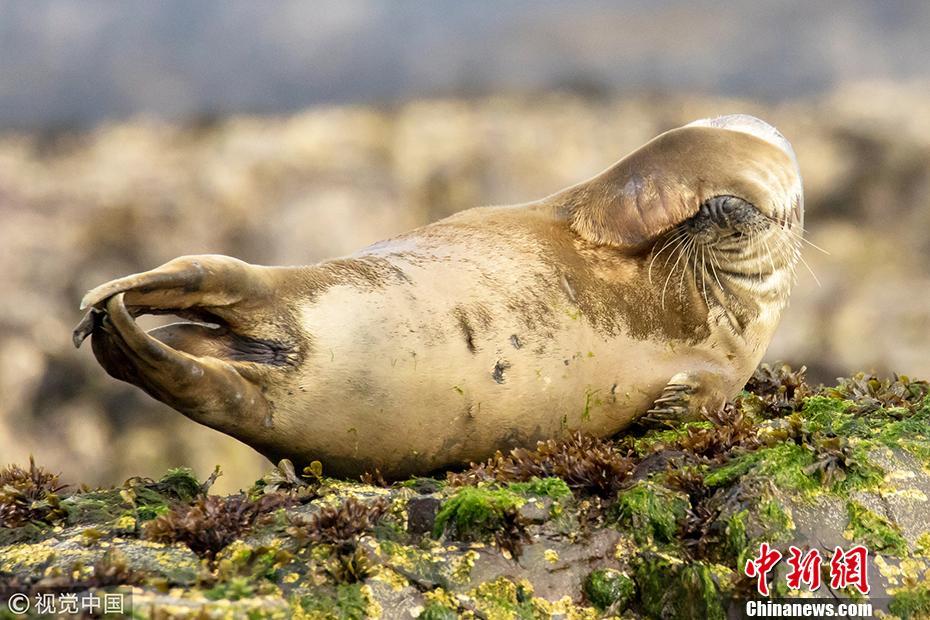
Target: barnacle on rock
[(29, 496), (212, 522), (586, 463)]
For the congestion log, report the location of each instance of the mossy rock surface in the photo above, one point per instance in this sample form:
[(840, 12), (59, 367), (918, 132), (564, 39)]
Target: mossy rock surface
[(651, 524)]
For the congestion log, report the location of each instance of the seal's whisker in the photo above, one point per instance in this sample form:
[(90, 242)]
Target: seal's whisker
[(686, 253), (799, 257), (690, 259), (713, 260), (703, 275), (680, 247), (684, 265), (753, 251), (787, 257), (800, 237), (814, 275), (768, 254), (681, 251), (677, 236)]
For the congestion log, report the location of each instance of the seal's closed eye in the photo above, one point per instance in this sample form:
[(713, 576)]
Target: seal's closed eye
[(725, 217)]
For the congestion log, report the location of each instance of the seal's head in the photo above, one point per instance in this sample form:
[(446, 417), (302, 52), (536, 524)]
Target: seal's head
[(718, 198), (666, 181)]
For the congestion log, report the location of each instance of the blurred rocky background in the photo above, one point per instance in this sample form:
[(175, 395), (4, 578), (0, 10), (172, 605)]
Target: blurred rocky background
[(289, 132)]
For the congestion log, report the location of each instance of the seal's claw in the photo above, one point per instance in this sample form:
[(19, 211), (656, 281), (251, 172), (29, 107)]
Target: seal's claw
[(661, 418), (683, 399), (670, 409), (87, 325), (672, 398)]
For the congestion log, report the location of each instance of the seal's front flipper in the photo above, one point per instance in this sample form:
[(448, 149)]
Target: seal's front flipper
[(684, 398)]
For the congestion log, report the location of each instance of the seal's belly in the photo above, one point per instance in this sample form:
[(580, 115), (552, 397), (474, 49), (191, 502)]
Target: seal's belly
[(464, 373)]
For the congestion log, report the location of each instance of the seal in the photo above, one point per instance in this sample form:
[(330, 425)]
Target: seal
[(649, 291)]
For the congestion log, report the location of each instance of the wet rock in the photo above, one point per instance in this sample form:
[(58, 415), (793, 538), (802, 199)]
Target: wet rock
[(421, 514)]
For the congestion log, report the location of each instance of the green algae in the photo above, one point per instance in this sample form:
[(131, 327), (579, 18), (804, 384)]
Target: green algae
[(777, 519), (822, 465), (552, 487), (344, 602), (502, 598), (894, 427), (736, 537), (95, 507), (670, 588), (911, 433), (651, 510), (922, 545), (768, 519), (235, 589), (475, 512), (607, 587), (657, 440), (874, 530), (783, 464), (259, 565), (142, 499), (912, 603), (180, 483), (828, 414)]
